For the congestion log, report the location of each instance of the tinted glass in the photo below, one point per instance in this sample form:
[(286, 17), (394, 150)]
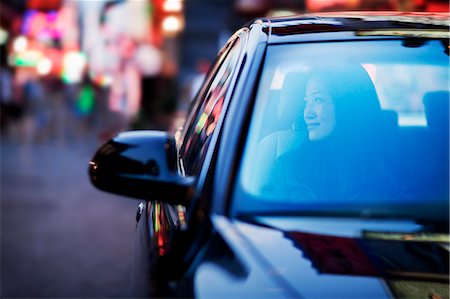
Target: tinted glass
[(349, 125), (204, 122)]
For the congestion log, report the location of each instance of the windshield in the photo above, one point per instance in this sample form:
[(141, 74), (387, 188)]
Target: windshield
[(360, 125)]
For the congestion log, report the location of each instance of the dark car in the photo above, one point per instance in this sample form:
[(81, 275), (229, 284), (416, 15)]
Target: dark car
[(314, 163)]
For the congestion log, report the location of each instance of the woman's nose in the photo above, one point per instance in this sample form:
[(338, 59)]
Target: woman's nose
[(309, 112)]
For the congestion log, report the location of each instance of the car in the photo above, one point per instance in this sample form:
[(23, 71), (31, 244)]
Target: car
[(314, 163)]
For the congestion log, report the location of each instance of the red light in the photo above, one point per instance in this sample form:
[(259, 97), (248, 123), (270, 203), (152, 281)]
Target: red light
[(44, 4)]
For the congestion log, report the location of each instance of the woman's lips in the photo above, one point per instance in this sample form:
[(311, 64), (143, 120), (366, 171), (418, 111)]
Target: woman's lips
[(312, 125)]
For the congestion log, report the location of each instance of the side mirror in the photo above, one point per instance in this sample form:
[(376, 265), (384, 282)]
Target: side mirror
[(141, 164)]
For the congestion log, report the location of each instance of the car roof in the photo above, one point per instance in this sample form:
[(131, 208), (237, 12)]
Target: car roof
[(355, 25)]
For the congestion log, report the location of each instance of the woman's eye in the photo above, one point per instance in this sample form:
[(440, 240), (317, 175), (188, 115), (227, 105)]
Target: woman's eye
[(318, 100)]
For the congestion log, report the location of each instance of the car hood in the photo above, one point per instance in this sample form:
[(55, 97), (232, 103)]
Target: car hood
[(345, 258)]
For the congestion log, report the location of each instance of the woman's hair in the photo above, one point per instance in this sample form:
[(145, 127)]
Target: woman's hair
[(356, 102), (356, 139)]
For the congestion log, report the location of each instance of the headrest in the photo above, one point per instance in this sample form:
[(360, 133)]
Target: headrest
[(291, 105)]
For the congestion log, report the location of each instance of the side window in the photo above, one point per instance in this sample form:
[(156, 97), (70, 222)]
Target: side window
[(204, 122)]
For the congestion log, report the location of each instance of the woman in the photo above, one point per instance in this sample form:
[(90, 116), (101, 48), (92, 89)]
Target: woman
[(343, 158)]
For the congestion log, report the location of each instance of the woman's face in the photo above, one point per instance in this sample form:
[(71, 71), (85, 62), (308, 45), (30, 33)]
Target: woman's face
[(319, 113)]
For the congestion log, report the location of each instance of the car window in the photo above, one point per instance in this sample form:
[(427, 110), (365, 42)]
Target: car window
[(204, 122), (349, 124)]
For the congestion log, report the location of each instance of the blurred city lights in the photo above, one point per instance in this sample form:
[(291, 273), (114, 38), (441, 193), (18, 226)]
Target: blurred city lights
[(173, 6), (3, 36), (102, 80), (149, 60), (20, 44), (44, 66), (27, 58), (281, 13), (106, 80), (73, 66), (172, 24)]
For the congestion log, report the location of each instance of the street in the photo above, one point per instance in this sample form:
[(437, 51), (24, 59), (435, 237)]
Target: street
[(61, 237)]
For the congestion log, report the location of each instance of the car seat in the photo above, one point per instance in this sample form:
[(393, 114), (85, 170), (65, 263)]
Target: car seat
[(290, 135)]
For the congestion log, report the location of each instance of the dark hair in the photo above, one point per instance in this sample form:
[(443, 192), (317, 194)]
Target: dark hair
[(356, 141), (356, 102)]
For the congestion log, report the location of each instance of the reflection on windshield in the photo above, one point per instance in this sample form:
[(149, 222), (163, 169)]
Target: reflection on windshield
[(356, 122)]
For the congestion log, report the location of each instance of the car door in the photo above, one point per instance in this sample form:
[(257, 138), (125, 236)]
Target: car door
[(160, 224)]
